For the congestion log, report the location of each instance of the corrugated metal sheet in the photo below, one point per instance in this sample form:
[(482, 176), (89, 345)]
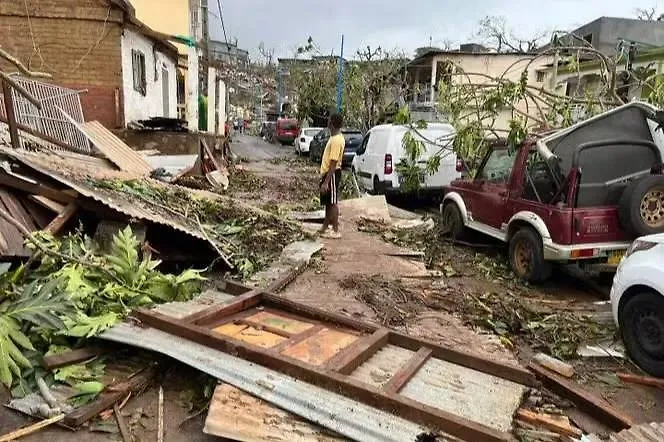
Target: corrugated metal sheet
[(457, 389), (335, 412), (115, 149), (238, 416), (61, 168), (653, 432), (378, 370)]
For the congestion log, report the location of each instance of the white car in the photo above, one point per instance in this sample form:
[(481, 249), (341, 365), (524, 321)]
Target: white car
[(382, 149), (637, 299), (304, 140)]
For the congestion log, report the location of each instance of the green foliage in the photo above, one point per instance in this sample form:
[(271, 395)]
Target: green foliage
[(85, 392)]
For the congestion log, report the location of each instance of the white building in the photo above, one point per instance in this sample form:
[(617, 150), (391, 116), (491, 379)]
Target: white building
[(149, 75)]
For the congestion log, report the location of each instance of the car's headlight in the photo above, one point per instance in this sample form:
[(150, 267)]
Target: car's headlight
[(639, 246)]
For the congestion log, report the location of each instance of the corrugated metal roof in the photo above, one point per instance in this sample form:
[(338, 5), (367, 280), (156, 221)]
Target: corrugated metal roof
[(378, 370), (114, 148), (335, 412), (74, 176), (458, 390), (653, 432)]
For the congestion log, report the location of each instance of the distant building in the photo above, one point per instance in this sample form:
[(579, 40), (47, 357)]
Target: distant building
[(229, 53), (605, 33), (129, 73)]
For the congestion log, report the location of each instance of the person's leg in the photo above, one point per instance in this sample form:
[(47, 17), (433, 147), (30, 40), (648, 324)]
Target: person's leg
[(334, 217), (325, 201)]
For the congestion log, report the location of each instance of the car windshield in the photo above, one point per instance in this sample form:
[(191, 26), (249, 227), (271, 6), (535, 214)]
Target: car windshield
[(311, 132), (288, 125), (353, 136)]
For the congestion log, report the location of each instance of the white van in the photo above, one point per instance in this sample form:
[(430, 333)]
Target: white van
[(381, 150)]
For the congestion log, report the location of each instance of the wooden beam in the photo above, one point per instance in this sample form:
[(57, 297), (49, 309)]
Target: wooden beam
[(433, 418), (297, 338), (111, 396), (406, 373), (11, 115), (359, 352), (51, 205), (63, 217), (467, 359), (591, 404), (274, 330), (235, 288), (560, 426), (31, 429), (641, 380), (72, 357), (34, 188), (216, 312)]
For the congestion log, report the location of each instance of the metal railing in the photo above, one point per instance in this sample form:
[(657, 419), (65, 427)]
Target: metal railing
[(49, 120)]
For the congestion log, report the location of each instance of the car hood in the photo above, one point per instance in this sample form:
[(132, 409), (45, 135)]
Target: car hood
[(658, 238)]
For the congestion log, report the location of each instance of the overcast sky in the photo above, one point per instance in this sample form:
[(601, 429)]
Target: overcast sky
[(403, 24)]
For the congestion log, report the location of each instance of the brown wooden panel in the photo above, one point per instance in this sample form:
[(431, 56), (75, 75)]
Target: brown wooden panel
[(360, 352), (16, 210), (596, 407), (321, 347), (467, 359), (297, 338), (63, 218), (38, 213), (287, 324), (216, 312), (250, 335), (428, 416), (405, 374)]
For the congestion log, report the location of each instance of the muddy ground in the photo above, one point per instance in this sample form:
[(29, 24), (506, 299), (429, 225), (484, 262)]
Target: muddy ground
[(472, 301)]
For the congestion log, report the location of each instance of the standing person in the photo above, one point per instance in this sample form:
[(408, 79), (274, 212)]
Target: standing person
[(330, 176)]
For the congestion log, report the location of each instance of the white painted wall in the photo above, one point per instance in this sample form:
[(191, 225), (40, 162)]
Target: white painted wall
[(136, 105)]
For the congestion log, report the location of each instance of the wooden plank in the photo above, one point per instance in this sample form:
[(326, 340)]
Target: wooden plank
[(110, 397), (34, 188), (549, 422), (431, 417), (600, 409), (405, 373), (63, 217), (295, 339), (467, 359), (267, 328), (39, 214), (321, 348), (11, 115), (642, 380), (16, 210), (211, 314), (31, 429), (72, 357), (47, 203), (359, 352), (235, 288)]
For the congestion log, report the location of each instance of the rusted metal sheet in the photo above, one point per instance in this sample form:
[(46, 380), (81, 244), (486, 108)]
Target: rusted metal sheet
[(321, 347), (238, 416), (250, 335), (77, 177), (115, 149)]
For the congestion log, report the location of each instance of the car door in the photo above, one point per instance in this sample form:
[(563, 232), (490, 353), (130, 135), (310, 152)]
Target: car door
[(360, 163), (488, 195)]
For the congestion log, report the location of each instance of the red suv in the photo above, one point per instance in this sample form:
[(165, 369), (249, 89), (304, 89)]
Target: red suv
[(287, 130), (579, 195)]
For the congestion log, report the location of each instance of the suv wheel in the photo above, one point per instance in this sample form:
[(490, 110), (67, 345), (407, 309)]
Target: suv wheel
[(527, 256), (452, 221), (642, 206), (641, 323)]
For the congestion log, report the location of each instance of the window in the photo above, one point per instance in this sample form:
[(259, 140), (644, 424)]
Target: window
[(498, 167), (540, 76), (138, 68), (363, 146)]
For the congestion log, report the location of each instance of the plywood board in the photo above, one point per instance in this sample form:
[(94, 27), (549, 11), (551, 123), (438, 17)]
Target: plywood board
[(320, 347), (236, 415), (250, 335), (273, 320)]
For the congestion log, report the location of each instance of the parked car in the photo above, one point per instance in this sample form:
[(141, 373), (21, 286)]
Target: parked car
[(304, 140), (353, 138), (287, 130), (637, 298), (382, 149), (577, 196)]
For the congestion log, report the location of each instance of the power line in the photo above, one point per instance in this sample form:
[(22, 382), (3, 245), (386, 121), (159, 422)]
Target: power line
[(223, 27)]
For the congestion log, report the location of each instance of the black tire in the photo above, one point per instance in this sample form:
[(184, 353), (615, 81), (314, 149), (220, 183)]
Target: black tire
[(527, 256), (453, 221), (642, 206), (641, 321)]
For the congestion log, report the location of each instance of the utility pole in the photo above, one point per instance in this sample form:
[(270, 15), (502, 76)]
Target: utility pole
[(193, 76), (206, 42), (340, 75)]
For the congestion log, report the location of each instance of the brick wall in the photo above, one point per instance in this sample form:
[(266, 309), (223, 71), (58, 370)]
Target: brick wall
[(77, 41)]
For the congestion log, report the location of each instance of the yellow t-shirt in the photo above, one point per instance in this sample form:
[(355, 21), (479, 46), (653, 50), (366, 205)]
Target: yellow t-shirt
[(334, 151)]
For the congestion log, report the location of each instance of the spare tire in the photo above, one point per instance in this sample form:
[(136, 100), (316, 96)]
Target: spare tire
[(642, 206)]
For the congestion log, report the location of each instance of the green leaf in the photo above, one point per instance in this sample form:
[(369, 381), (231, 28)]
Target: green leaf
[(84, 326)]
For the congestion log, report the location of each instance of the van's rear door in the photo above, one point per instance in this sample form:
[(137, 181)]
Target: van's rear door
[(437, 139)]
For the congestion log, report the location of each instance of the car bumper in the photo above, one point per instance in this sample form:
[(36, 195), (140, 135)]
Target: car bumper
[(286, 139), (303, 147), (566, 253)]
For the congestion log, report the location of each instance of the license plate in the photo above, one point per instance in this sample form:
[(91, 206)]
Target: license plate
[(616, 256)]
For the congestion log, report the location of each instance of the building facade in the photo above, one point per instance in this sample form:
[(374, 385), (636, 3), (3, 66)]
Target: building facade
[(84, 44)]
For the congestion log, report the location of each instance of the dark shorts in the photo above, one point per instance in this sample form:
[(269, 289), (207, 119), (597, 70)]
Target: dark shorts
[(332, 195)]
